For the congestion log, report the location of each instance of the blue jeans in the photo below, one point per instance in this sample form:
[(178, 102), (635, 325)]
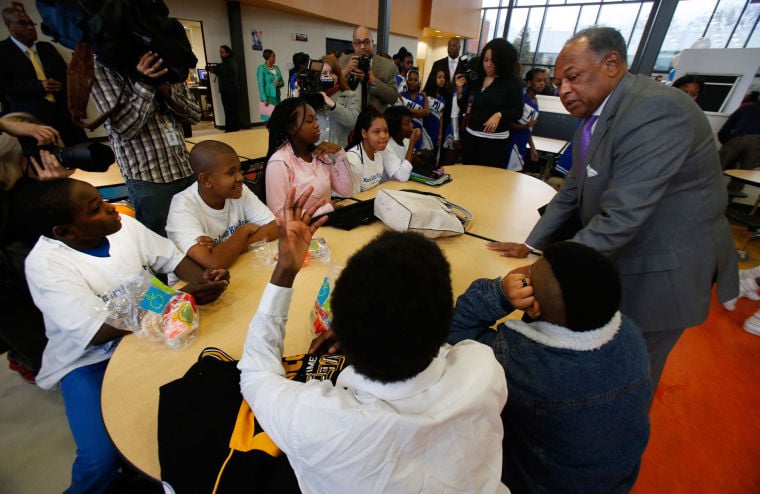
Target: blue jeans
[(152, 200), (97, 462)]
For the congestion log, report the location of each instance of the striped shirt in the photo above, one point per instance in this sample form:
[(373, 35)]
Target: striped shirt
[(145, 132)]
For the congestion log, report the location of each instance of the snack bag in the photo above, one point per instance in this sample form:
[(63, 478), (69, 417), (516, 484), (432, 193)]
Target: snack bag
[(180, 321), (321, 315), (171, 315)]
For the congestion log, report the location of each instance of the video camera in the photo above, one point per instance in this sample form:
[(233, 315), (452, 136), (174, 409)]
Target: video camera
[(310, 83), (470, 68), (310, 80), (87, 156)]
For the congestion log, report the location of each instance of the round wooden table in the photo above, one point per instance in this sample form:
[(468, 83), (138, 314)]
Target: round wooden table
[(504, 204)]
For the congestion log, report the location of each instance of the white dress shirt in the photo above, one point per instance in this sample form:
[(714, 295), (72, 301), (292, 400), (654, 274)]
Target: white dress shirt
[(439, 431)]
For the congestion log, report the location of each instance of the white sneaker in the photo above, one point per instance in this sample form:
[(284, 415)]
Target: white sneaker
[(750, 273), (748, 288), (752, 325), (731, 304)]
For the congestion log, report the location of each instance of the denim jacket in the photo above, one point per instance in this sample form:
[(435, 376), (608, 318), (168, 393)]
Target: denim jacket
[(576, 418)]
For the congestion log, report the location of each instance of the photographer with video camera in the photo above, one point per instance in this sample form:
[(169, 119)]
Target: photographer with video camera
[(22, 331), (325, 88), (376, 76), (145, 130)]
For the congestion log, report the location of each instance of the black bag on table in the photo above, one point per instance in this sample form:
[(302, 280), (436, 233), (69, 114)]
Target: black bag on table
[(209, 440)]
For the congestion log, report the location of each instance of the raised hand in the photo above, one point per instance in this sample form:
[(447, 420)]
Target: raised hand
[(294, 232)]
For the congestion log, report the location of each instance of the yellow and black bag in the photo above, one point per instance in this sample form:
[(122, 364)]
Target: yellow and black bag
[(208, 438)]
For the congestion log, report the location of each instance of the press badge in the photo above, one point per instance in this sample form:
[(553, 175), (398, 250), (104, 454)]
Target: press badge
[(170, 135)]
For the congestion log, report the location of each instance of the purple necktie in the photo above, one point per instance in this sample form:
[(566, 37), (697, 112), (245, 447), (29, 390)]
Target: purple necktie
[(588, 125)]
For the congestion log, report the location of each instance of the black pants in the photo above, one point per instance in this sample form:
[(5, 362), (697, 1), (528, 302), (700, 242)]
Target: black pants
[(22, 330), (230, 103), (487, 152)]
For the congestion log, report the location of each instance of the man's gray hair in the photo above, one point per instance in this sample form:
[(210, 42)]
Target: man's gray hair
[(603, 40)]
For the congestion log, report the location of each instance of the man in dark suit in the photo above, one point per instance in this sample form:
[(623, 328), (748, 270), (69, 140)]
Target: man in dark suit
[(33, 76), (378, 84), (448, 64), (647, 187)]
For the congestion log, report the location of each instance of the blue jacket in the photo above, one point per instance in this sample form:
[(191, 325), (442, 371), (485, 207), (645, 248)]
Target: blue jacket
[(576, 418)]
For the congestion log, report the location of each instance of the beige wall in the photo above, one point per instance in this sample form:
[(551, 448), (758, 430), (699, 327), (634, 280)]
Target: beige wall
[(278, 28), (408, 17), (460, 17)]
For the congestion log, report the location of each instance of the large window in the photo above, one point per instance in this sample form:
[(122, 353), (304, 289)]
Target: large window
[(539, 28), (726, 23)]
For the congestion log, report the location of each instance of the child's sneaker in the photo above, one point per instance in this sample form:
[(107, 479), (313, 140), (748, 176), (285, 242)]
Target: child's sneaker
[(748, 288), (752, 324)]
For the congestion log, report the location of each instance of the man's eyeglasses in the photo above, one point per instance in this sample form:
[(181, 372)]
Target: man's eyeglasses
[(365, 41), (24, 23)]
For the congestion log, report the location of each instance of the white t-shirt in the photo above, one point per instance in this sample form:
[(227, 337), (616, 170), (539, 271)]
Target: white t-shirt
[(439, 431), (395, 156), (365, 172), (71, 289), (190, 217)]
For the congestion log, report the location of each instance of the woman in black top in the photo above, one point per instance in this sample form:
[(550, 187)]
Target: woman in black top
[(489, 103)]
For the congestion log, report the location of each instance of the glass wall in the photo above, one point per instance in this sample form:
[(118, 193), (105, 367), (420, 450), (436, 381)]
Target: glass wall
[(726, 23), (539, 28)]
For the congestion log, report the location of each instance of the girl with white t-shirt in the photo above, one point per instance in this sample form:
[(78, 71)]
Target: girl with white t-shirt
[(369, 165)]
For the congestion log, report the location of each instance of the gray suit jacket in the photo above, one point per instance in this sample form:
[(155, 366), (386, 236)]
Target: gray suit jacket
[(650, 194), (385, 92)]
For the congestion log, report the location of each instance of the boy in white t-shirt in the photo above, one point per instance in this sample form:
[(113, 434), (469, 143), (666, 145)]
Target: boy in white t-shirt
[(84, 256), (215, 219)]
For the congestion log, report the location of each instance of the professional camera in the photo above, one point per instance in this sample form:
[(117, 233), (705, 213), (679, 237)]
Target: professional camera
[(310, 81), (470, 68), (87, 156), (363, 65), (310, 84), (121, 32)]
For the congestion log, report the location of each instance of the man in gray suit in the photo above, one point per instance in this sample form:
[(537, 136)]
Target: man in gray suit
[(378, 84), (647, 190)]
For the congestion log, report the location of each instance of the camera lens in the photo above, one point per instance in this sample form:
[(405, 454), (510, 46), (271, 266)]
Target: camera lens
[(88, 156)]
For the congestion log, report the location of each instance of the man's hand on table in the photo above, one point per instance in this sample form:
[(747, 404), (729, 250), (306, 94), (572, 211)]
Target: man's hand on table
[(294, 233), (509, 249)]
